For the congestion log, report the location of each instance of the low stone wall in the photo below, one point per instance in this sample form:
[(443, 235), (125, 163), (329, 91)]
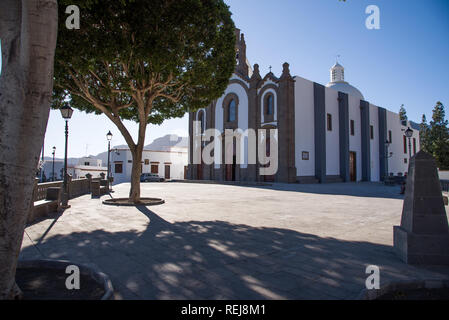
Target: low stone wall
[(76, 188), (40, 189)]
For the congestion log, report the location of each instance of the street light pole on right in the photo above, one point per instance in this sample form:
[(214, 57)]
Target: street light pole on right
[(409, 135)]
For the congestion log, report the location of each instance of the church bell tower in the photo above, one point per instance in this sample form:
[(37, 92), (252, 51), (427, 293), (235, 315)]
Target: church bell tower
[(240, 54)]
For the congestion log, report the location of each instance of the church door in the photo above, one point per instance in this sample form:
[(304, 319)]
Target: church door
[(352, 166)]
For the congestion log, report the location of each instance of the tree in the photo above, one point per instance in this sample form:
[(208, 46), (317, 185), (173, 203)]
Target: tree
[(403, 113), (424, 132), (145, 61), (28, 31), (439, 136)]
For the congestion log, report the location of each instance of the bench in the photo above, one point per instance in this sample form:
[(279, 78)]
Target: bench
[(43, 207)]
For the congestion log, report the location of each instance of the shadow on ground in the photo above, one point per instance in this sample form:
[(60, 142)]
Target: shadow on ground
[(359, 189), (220, 260)]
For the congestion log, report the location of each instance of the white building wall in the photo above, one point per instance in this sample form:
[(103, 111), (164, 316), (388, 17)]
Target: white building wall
[(332, 137), (355, 141), (396, 162), (374, 143), (238, 90), (177, 160), (304, 126)]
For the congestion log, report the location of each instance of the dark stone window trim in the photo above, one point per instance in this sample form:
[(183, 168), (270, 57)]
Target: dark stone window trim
[(202, 114), (269, 117), (226, 101)]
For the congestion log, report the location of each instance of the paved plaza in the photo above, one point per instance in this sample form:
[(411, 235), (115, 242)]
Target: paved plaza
[(212, 241)]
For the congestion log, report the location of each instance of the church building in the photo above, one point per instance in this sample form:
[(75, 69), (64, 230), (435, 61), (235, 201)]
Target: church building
[(325, 133)]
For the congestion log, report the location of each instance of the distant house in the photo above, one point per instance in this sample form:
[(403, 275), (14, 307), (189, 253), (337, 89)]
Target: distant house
[(87, 165), (51, 173), (163, 157)]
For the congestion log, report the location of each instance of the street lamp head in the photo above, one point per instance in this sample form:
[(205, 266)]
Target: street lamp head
[(409, 133), (109, 136), (54, 149), (66, 112)]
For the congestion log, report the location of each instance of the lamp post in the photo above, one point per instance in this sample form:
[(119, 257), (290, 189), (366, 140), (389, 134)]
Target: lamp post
[(109, 137), (66, 113), (53, 167), (409, 134)]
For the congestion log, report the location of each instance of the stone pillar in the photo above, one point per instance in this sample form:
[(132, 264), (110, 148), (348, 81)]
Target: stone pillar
[(343, 117), (286, 120), (89, 181), (254, 119), (190, 170), (366, 141), (383, 157), (320, 131), (423, 237)]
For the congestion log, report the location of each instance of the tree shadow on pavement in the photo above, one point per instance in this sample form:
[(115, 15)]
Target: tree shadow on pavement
[(220, 260)]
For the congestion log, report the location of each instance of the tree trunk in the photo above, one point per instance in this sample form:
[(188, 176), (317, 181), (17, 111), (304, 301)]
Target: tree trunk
[(134, 194), (28, 31)]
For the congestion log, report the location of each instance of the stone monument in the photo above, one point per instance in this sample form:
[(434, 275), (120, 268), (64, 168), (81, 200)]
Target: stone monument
[(423, 237)]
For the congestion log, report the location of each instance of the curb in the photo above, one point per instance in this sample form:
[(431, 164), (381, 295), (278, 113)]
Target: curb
[(154, 202), (91, 270)]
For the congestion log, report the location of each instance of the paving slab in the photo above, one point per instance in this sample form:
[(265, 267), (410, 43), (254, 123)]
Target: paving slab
[(211, 241)]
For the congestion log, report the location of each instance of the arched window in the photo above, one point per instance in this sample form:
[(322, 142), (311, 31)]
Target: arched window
[(231, 111), (269, 105)]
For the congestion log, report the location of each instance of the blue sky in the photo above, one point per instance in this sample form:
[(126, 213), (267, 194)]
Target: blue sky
[(405, 62)]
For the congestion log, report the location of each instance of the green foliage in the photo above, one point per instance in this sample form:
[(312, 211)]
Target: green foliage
[(403, 113), (160, 57), (434, 137), (439, 136), (424, 135)]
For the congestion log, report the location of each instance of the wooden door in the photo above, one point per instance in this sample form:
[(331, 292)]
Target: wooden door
[(199, 172), (352, 166), (167, 172)]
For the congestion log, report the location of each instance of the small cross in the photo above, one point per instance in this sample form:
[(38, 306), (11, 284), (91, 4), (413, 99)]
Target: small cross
[(338, 57), (270, 68)]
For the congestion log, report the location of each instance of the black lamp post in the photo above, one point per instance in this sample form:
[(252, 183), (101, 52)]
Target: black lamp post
[(53, 167), (409, 134), (66, 113), (109, 137)]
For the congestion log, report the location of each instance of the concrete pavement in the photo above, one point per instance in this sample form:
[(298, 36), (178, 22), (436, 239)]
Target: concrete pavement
[(234, 242)]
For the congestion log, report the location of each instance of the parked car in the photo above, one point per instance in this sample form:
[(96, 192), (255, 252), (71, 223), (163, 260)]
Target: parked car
[(151, 177)]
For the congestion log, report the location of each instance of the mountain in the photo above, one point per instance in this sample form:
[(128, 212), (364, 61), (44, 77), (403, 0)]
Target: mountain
[(158, 144)]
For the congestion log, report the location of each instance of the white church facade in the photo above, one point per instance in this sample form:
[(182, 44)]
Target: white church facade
[(325, 133)]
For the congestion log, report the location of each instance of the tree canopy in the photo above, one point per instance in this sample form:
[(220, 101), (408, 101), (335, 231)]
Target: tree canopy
[(172, 55), (145, 61), (434, 137), (403, 113)]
